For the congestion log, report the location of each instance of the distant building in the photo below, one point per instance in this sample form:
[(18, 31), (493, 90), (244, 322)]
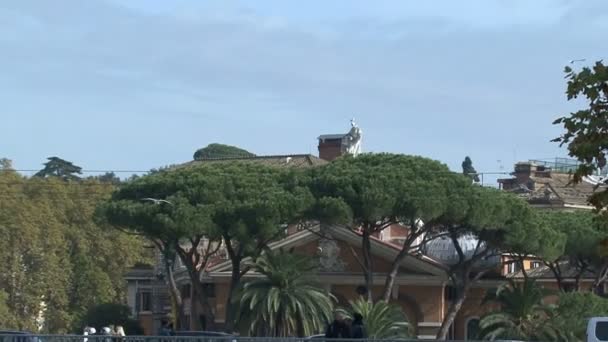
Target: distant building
[(549, 185), (147, 296)]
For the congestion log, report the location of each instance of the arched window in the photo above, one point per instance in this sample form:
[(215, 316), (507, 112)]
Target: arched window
[(471, 329)]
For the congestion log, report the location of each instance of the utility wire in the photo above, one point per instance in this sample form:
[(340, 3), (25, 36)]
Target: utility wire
[(148, 171)]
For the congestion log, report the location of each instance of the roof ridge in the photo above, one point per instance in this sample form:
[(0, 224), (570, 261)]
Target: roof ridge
[(305, 155)]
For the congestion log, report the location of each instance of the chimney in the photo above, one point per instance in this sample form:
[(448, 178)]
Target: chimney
[(523, 171), (330, 146)]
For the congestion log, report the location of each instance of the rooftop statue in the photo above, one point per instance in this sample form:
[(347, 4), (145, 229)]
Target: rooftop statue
[(351, 143)]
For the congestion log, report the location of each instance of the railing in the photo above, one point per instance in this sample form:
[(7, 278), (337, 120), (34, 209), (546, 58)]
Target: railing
[(100, 338)]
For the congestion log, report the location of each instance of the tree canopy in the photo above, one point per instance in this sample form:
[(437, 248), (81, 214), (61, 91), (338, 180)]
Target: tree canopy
[(580, 234), (239, 205), (57, 167), (574, 310), (469, 170), (213, 151), (371, 192), (586, 130), (56, 260)]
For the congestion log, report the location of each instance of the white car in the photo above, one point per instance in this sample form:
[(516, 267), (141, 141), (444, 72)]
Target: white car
[(597, 329)]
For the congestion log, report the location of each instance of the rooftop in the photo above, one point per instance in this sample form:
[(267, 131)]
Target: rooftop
[(287, 160), (550, 183), (331, 136)]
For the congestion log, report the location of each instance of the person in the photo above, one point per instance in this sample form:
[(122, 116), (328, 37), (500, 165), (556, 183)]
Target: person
[(166, 329), (120, 333), (106, 331), (88, 331), (338, 328), (357, 328)]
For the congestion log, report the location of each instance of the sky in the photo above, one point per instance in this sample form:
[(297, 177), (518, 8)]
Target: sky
[(138, 84)]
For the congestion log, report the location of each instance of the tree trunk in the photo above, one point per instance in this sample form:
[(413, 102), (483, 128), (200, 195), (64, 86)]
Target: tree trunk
[(176, 297), (520, 261), (455, 306), (235, 281), (600, 277), (392, 275), (194, 322), (367, 262), (200, 294), (557, 274)]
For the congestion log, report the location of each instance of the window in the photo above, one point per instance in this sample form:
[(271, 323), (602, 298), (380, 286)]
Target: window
[(535, 264), (513, 267), (601, 331), (471, 329), (144, 301)]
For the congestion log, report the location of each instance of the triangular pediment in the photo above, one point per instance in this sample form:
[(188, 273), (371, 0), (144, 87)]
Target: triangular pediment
[(338, 249)]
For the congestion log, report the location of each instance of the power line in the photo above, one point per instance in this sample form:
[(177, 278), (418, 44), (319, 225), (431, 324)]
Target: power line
[(148, 171), (84, 171)]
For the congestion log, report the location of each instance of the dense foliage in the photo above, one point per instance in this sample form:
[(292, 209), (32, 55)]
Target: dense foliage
[(374, 191), (57, 262), (586, 130), (574, 310), (582, 234), (381, 319), (469, 170), (111, 314), (57, 167), (285, 301), (238, 206), (215, 151), (522, 315)]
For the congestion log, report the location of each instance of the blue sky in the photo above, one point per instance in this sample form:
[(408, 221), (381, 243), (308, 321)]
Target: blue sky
[(143, 83)]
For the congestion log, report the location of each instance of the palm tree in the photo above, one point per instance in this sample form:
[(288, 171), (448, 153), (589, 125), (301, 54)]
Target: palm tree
[(284, 301), (381, 320), (522, 315)]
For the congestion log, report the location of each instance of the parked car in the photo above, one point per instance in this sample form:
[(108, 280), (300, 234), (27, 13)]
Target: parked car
[(597, 329)]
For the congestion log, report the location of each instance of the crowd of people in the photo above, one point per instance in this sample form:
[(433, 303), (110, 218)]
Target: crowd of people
[(114, 334), (340, 328)]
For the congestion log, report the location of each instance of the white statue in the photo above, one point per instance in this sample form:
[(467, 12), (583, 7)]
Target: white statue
[(329, 256), (351, 143)]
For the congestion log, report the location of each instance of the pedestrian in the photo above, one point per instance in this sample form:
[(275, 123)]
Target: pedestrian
[(357, 328), (88, 331), (107, 331), (338, 328), (120, 333), (166, 329)]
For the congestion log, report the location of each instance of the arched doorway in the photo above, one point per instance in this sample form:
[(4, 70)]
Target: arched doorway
[(411, 309)]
